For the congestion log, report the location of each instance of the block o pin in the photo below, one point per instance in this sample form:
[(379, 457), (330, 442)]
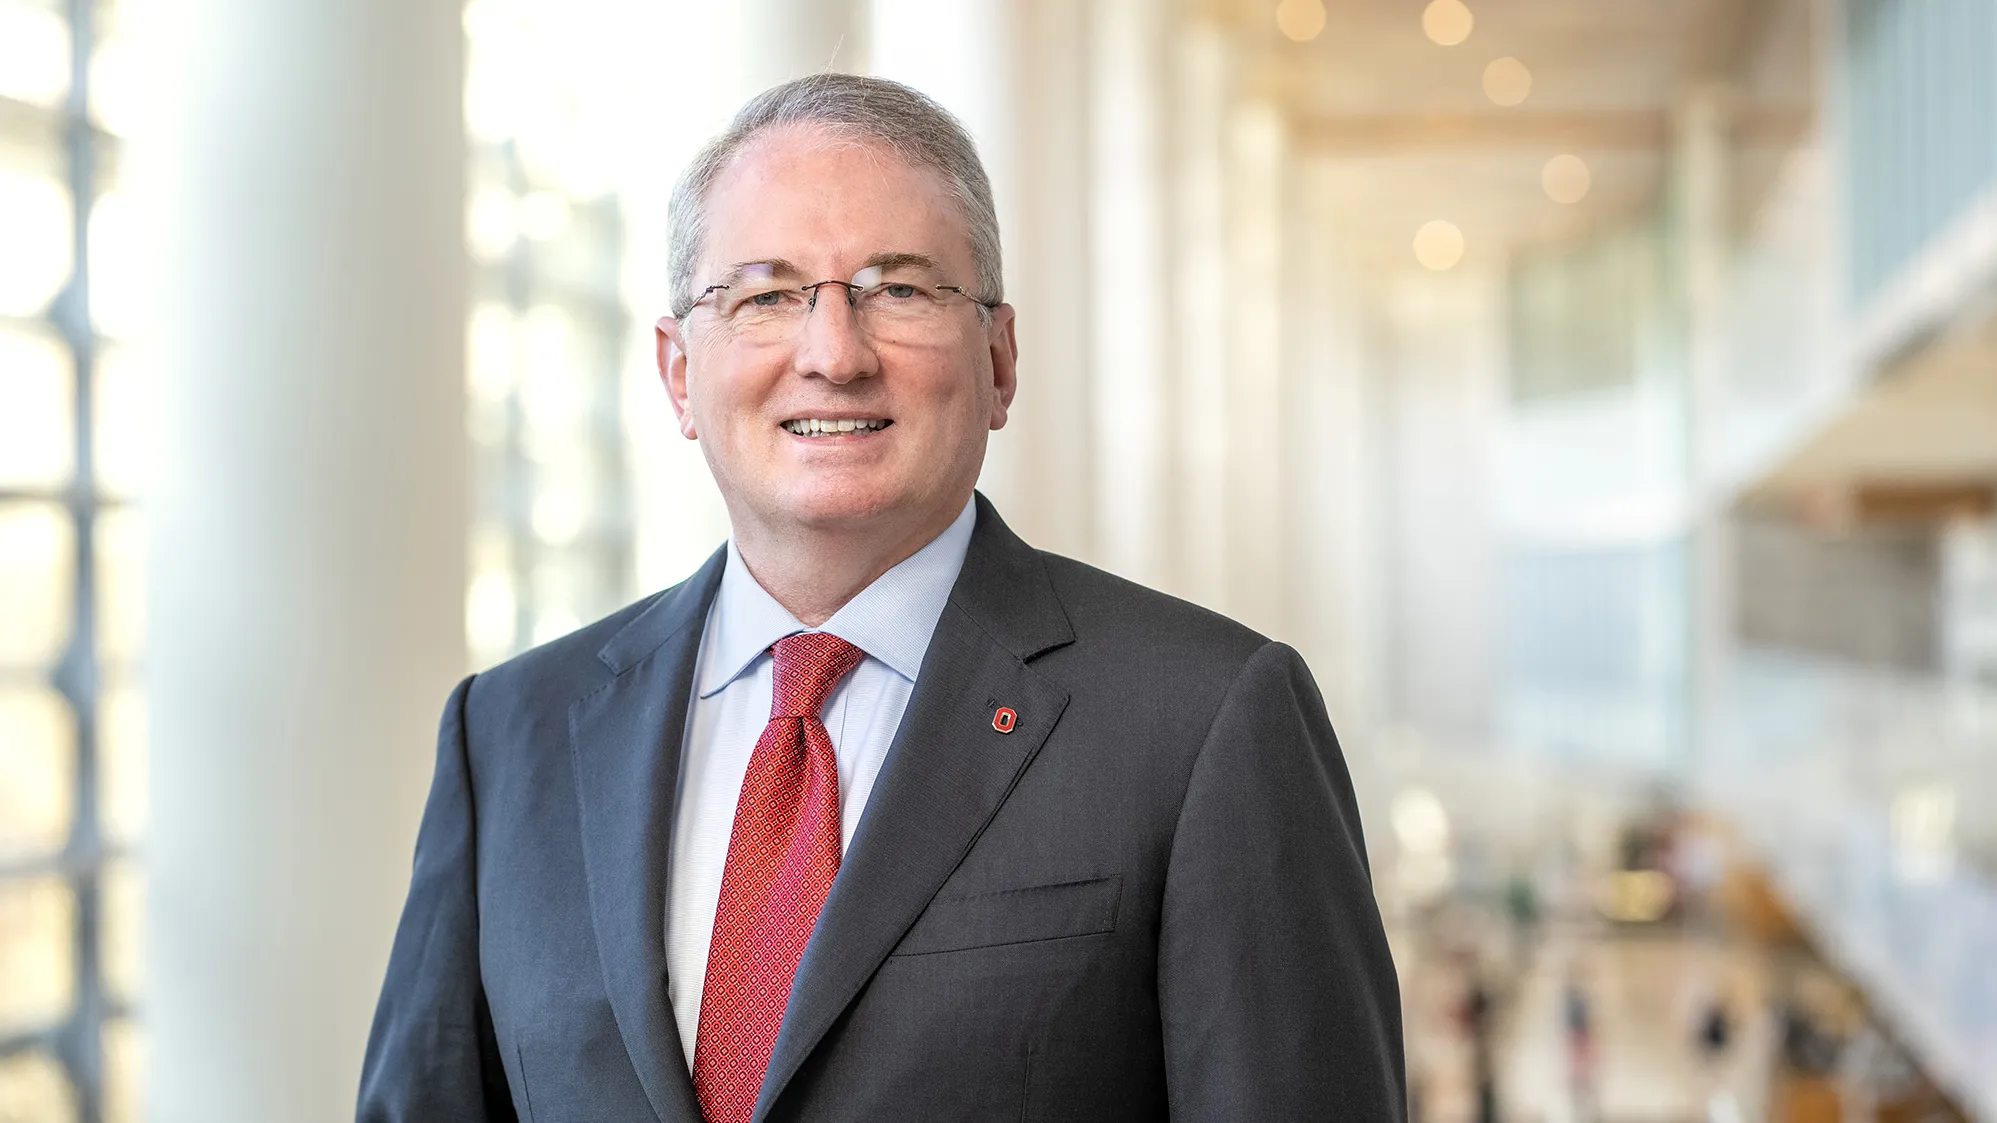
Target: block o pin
[(1004, 719)]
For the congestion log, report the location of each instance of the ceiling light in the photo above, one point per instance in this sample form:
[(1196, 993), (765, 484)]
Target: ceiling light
[(1420, 821), (1300, 20), (1507, 81), (1439, 245), (1566, 179), (1448, 22)]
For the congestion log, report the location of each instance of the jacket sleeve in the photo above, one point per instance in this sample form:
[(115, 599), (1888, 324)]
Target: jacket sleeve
[(1275, 985), (432, 1057)]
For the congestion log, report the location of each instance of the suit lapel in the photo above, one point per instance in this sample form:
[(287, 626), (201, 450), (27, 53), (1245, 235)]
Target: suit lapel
[(625, 745), (945, 776)]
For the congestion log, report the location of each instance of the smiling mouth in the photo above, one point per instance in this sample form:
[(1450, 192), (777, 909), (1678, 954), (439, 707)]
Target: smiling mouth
[(825, 427)]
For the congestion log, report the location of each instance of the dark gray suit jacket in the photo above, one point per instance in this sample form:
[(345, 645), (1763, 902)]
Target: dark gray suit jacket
[(1149, 900)]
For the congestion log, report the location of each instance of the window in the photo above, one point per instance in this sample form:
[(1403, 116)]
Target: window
[(551, 534), (71, 728)]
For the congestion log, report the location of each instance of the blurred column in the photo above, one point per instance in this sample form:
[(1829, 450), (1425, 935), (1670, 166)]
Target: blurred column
[(1234, 529), (1015, 74), (308, 519), (1130, 272), (1331, 445), (1204, 432), (1046, 203), (1703, 194), (1260, 527)]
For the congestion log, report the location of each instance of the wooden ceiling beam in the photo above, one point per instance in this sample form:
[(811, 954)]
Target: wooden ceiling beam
[(1398, 132), (1638, 131)]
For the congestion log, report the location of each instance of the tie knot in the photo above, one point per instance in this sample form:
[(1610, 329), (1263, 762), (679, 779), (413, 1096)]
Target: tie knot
[(809, 665)]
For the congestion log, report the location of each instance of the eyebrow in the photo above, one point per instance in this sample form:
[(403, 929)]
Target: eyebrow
[(776, 266), (900, 260)]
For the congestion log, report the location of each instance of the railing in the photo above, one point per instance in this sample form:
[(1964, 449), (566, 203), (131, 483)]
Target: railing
[(1864, 792)]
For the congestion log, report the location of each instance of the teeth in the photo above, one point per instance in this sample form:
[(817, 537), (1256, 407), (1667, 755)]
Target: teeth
[(818, 427)]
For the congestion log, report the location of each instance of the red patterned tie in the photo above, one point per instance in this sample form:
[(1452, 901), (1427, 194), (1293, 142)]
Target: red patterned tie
[(782, 856)]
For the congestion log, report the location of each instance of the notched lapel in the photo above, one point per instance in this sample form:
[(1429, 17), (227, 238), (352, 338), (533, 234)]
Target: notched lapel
[(625, 741), (946, 775)]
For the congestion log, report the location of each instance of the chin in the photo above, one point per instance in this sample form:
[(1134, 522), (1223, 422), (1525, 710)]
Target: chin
[(843, 504)]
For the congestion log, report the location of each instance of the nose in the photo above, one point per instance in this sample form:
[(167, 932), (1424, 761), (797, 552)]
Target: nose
[(832, 346)]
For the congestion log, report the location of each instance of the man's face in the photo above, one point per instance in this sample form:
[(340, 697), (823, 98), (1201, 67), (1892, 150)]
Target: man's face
[(799, 206)]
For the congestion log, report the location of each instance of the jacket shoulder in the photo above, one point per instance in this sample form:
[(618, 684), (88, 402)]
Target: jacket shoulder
[(559, 671), (1144, 624)]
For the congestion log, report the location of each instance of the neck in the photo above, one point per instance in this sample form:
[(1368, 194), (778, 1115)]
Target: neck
[(813, 572)]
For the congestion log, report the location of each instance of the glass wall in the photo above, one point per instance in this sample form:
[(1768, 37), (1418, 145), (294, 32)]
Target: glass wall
[(1921, 104), (551, 538), (1593, 503), (72, 758)]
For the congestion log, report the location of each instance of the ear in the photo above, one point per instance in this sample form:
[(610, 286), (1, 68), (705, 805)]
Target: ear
[(671, 344), (1005, 362)]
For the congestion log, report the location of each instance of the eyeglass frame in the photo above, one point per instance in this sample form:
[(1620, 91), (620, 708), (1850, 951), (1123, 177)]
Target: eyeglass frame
[(985, 307)]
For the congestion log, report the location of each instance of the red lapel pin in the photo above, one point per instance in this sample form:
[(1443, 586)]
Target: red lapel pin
[(1004, 719)]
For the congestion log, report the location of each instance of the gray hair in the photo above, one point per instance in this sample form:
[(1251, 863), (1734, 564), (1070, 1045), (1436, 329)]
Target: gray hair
[(905, 121)]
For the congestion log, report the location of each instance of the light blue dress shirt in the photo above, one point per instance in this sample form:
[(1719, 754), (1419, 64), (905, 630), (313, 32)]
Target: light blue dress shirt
[(891, 620)]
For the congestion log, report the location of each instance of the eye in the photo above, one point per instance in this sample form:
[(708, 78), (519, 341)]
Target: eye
[(768, 299), (898, 291)]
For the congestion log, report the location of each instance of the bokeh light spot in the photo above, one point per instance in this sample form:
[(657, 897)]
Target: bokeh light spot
[(1300, 20), (1447, 22), (1566, 179), (1439, 245), (35, 228), (1507, 81), (34, 54), (1421, 823)]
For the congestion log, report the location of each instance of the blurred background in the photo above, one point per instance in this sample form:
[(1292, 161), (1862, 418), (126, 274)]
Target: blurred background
[(1602, 394)]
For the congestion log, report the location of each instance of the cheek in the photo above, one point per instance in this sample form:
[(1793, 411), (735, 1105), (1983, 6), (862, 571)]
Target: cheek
[(959, 388), (724, 400), (977, 396)]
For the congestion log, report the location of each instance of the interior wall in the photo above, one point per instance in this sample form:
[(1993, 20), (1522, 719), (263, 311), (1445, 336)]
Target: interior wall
[(1869, 596)]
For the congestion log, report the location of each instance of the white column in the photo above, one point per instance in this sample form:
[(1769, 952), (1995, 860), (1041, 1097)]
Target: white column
[(1259, 527), (1048, 276), (1331, 448), (308, 521), (1130, 284), (1203, 82), (1701, 187)]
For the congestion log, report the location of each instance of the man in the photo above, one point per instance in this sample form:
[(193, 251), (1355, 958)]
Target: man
[(882, 814)]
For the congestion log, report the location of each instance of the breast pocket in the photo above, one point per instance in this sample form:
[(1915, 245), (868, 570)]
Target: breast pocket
[(1032, 914)]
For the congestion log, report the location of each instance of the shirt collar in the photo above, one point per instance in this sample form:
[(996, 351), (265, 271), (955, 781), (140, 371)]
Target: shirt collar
[(891, 620)]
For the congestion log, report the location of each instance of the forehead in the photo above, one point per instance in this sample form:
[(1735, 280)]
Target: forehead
[(825, 200)]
